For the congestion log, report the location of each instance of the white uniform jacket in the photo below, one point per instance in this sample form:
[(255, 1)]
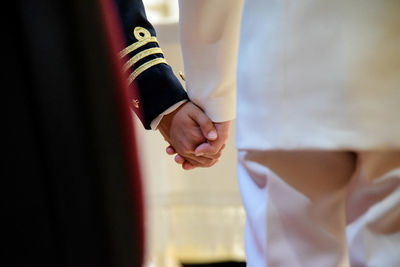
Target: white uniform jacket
[(312, 74)]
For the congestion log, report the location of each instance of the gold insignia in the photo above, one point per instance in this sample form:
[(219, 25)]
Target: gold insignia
[(144, 37), (139, 56), (144, 67), (136, 45), (141, 33)]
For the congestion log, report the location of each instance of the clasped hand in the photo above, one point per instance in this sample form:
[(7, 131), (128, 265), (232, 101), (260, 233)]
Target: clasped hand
[(197, 141)]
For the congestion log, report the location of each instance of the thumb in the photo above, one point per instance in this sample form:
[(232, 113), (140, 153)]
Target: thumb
[(206, 125)]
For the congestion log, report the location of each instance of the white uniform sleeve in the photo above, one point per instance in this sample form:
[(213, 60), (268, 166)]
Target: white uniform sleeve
[(209, 32)]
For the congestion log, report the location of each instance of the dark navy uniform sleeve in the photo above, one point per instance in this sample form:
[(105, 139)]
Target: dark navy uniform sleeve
[(157, 86)]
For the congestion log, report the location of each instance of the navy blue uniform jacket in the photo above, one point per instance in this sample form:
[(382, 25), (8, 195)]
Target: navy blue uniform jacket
[(157, 86)]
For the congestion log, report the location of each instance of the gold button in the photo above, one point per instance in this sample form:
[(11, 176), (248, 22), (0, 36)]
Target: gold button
[(182, 75), (135, 103)]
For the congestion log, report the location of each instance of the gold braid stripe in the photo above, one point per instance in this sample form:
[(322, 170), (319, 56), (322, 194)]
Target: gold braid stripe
[(136, 45), (144, 67), (139, 56)]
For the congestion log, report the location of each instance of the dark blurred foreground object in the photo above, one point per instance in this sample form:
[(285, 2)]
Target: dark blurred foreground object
[(75, 194)]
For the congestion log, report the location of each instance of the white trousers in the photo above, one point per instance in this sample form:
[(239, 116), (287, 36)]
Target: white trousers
[(324, 209)]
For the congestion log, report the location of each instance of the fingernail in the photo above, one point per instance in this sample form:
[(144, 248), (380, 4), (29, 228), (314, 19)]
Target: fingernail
[(199, 154), (212, 134)]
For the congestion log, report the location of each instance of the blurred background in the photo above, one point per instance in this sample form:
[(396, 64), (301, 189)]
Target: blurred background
[(191, 216)]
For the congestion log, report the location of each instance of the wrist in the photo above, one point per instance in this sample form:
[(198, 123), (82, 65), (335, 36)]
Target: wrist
[(165, 124)]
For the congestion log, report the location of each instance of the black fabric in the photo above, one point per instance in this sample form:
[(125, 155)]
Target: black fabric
[(158, 87), (69, 199)]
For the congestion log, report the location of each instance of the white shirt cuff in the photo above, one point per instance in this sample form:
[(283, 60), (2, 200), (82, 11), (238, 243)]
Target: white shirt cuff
[(154, 123)]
